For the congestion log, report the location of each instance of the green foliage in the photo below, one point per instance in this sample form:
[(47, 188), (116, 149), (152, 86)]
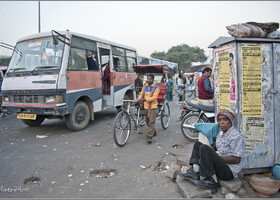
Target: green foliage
[(182, 54), (5, 61), (158, 55)]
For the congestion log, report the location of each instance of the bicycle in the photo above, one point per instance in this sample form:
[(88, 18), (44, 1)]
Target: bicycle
[(133, 113)]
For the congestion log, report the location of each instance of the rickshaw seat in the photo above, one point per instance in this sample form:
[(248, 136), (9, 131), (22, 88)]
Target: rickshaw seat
[(162, 91)]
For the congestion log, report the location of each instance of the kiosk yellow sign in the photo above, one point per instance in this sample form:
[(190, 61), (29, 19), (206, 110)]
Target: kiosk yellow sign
[(224, 80), (251, 81)]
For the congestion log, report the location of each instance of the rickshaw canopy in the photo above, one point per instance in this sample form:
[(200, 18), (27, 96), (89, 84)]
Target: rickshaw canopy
[(163, 69)]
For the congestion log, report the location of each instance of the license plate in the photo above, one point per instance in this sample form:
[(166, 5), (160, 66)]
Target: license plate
[(26, 116)]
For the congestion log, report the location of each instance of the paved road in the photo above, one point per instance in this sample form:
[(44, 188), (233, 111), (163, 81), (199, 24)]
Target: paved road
[(64, 159)]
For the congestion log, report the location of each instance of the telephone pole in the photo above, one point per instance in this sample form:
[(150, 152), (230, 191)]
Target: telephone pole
[(39, 17)]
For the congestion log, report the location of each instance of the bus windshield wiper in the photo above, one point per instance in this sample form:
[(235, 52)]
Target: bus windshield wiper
[(16, 69), (42, 67)]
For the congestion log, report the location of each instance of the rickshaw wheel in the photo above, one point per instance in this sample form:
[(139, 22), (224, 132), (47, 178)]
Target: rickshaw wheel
[(122, 128), (165, 116)]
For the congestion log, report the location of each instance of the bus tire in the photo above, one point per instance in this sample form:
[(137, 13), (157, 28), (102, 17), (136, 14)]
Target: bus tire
[(79, 118), (37, 122)]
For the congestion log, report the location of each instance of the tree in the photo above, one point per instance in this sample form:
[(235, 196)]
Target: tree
[(182, 54), (159, 55)]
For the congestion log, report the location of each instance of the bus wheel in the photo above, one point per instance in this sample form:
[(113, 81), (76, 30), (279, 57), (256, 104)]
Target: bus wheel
[(39, 120), (79, 118)]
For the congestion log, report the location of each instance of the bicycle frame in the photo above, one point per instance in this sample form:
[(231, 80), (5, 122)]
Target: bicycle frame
[(127, 110), (161, 106)]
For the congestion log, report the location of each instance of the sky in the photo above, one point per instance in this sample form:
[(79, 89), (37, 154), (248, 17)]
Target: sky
[(147, 26)]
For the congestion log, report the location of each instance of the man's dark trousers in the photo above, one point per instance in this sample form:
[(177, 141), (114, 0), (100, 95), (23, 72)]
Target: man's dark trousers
[(210, 162)]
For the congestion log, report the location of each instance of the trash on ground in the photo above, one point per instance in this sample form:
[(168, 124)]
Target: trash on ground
[(142, 166), (178, 146), (97, 145), (32, 180), (45, 146), (104, 173), (70, 175), (41, 136)]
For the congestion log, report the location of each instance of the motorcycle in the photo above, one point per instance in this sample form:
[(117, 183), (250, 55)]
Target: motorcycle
[(192, 114)]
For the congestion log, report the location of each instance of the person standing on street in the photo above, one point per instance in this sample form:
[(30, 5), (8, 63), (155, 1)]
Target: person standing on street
[(205, 91), (181, 87), (138, 84), (149, 96), (170, 88)]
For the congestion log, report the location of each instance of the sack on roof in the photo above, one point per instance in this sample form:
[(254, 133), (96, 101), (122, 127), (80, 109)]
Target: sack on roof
[(246, 30), (268, 27)]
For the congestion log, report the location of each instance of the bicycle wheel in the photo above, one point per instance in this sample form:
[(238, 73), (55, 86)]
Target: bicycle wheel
[(122, 128), (165, 116), (191, 119)]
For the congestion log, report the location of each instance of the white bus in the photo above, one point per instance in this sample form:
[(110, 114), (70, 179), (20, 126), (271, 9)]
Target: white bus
[(67, 75)]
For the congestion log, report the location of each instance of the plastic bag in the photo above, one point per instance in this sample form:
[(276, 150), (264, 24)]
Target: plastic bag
[(273, 34)]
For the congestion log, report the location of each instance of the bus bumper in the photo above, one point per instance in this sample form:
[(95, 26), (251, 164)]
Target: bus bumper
[(47, 111)]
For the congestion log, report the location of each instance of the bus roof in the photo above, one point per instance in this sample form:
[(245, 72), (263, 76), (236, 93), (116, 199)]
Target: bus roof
[(45, 34)]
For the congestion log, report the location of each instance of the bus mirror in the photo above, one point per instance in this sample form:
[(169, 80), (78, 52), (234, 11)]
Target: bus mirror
[(55, 39)]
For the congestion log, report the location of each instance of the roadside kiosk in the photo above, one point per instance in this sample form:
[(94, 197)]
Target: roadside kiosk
[(246, 80)]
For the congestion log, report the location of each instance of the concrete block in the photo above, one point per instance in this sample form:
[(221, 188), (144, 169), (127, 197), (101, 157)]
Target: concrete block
[(224, 190), (232, 185), (183, 160), (241, 191), (169, 158), (173, 171), (190, 190), (184, 169), (231, 196)]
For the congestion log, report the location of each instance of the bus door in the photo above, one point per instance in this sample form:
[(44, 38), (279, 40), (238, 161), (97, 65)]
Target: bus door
[(106, 69)]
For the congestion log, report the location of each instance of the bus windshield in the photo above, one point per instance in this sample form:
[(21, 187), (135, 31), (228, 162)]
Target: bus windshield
[(36, 55)]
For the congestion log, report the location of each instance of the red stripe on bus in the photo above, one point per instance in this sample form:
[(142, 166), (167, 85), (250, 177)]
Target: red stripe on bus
[(77, 80), (33, 105), (123, 78)]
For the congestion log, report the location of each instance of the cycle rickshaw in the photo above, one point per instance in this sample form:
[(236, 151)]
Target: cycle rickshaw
[(131, 111)]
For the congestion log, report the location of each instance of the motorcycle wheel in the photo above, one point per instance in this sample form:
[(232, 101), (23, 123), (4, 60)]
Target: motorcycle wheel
[(192, 119)]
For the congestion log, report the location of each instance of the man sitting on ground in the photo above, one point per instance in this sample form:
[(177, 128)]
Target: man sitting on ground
[(225, 163)]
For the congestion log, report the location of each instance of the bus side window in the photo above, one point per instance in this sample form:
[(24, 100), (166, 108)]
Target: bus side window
[(131, 60), (83, 54), (77, 60)]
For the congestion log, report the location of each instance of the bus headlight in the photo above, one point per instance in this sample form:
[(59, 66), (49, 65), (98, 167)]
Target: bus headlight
[(50, 99), (6, 98), (54, 99)]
